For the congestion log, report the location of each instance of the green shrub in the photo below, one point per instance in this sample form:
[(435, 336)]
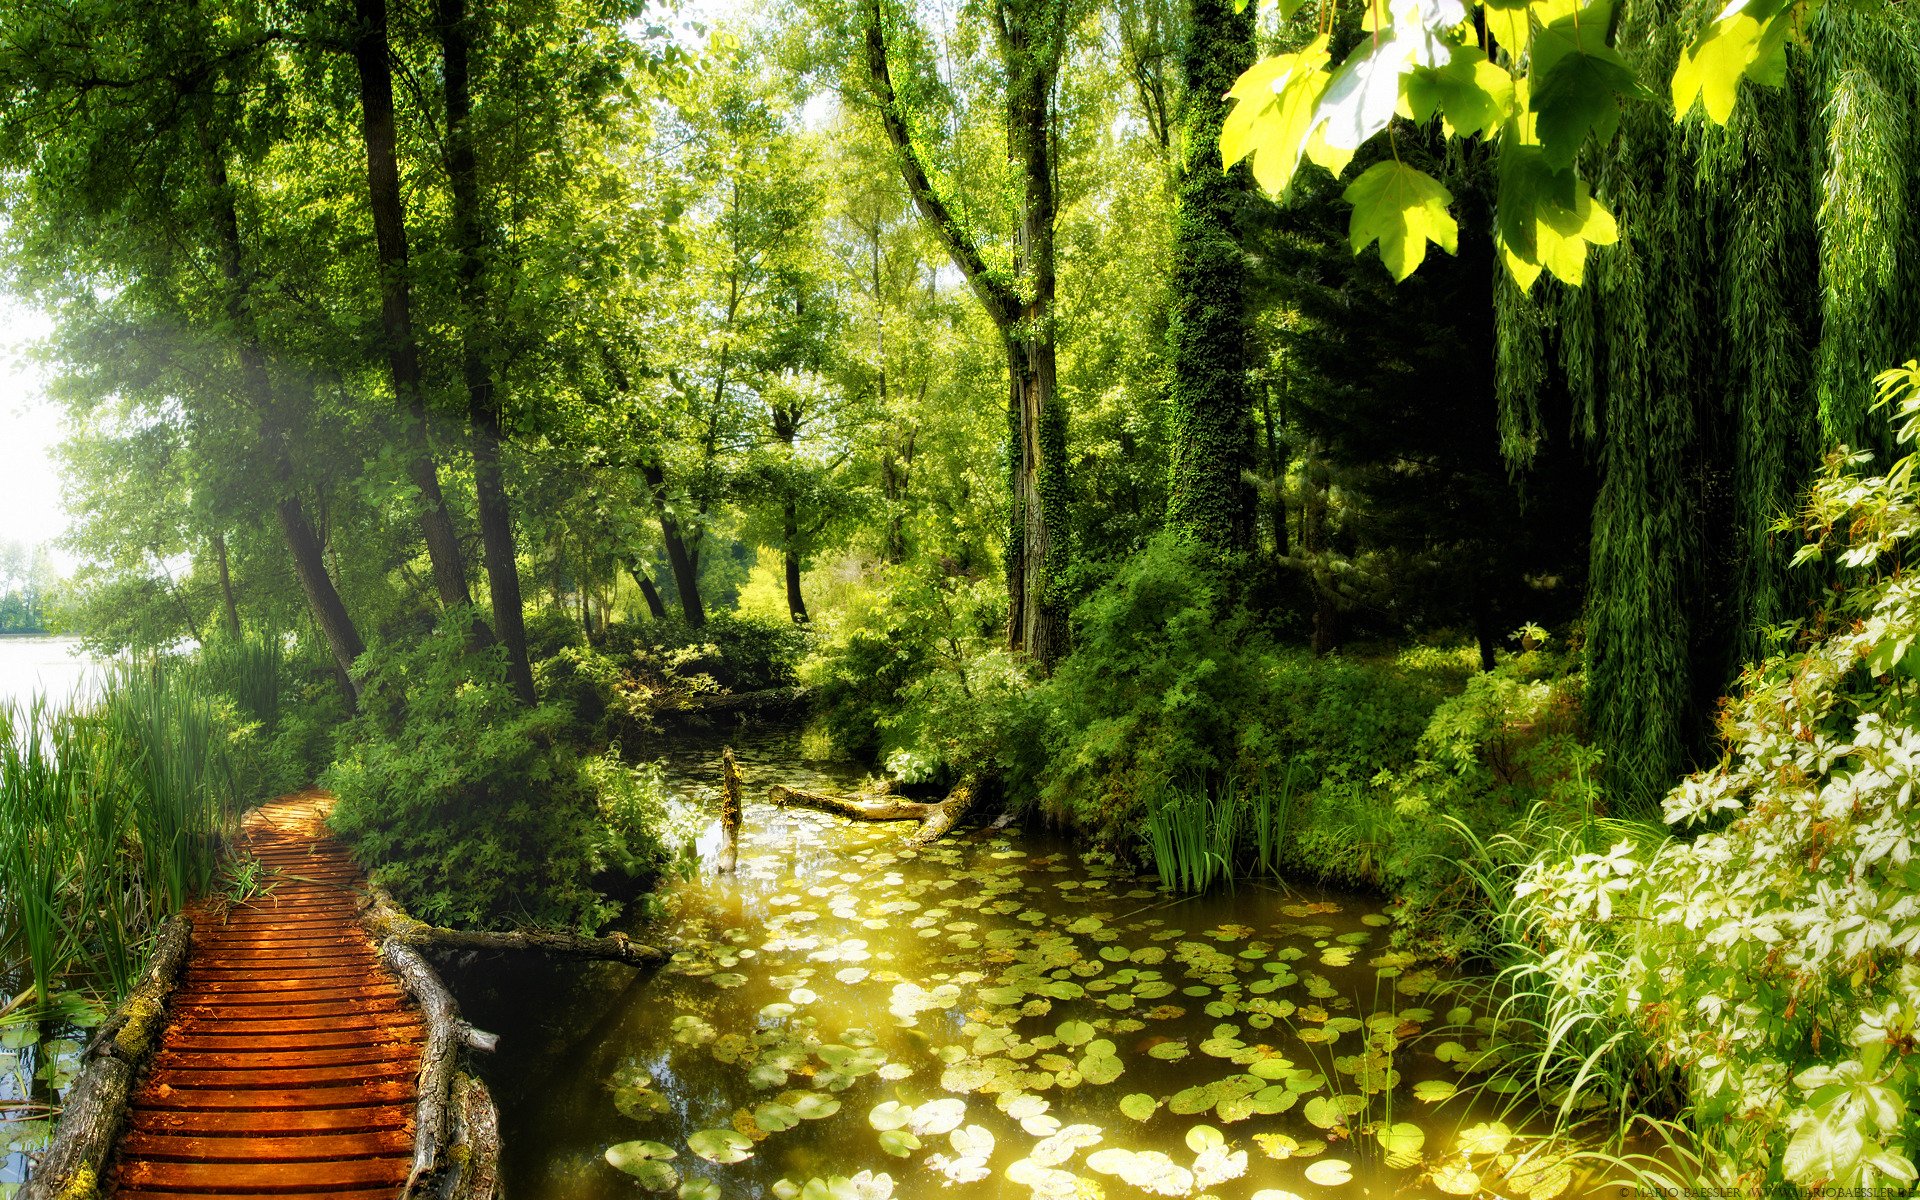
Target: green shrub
[(1772, 959), (469, 806), (920, 680), (640, 671)]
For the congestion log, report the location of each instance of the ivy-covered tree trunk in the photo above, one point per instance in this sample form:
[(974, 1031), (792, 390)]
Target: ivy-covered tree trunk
[(786, 429), (370, 53), (1032, 40), (483, 399), (1210, 501)]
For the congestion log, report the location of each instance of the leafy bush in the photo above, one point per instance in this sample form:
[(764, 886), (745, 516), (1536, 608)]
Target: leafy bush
[(1172, 680), (1773, 959), (920, 680), (469, 806)]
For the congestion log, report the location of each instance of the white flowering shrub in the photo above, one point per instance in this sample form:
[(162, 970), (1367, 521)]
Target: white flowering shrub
[(1775, 959)]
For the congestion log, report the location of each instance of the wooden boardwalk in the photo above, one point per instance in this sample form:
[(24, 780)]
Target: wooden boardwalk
[(288, 1069)]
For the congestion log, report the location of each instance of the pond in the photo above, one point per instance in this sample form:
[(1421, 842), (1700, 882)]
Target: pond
[(999, 1016)]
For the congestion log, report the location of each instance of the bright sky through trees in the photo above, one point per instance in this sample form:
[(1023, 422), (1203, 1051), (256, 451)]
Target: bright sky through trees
[(29, 429)]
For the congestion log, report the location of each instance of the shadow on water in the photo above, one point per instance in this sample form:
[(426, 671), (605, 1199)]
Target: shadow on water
[(997, 1017)]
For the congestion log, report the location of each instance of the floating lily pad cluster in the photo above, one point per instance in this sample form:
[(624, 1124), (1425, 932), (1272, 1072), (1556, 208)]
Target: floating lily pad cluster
[(979, 1016)]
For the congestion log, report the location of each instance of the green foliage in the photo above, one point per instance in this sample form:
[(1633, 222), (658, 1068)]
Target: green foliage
[(1770, 959), (919, 679), (638, 673), (468, 805), (1162, 651), (632, 809)]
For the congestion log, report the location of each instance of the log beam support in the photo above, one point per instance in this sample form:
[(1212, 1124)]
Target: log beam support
[(385, 919)]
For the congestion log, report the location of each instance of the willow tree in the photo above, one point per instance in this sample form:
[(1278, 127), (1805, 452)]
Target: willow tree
[(1031, 37), (1210, 500), (1764, 258)]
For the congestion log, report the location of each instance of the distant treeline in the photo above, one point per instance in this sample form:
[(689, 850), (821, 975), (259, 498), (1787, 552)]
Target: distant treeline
[(28, 584)]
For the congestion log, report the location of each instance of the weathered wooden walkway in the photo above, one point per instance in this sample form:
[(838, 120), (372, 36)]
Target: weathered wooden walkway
[(289, 1065)]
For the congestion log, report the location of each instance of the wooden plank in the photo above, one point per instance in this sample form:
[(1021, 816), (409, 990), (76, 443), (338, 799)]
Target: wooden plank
[(249, 1100), (269, 1122), (239, 1077), (300, 1147), (380, 1054), (306, 1176)]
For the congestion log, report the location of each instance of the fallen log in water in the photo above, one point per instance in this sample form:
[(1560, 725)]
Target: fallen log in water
[(385, 919), (936, 819), (96, 1102)]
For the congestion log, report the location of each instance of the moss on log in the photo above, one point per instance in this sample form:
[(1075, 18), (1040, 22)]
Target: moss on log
[(385, 919), (95, 1104)]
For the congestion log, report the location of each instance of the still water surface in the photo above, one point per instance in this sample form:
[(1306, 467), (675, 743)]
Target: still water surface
[(996, 1017), (49, 667)]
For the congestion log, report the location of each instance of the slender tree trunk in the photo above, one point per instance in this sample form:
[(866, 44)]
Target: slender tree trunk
[(656, 608), (322, 598), (1276, 474), (483, 400), (686, 573), (303, 545), (790, 532), (230, 610), (1210, 502), (1040, 496), (1314, 541), (370, 51)]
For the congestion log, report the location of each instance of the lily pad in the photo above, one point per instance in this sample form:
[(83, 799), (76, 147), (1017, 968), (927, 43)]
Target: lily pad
[(1330, 1172), (1139, 1106), (898, 1142), (721, 1145), (646, 1162)]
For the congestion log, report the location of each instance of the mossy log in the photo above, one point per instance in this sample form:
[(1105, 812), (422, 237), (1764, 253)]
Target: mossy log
[(95, 1104), (456, 1141), (731, 808), (936, 819), (385, 919), (475, 1147)]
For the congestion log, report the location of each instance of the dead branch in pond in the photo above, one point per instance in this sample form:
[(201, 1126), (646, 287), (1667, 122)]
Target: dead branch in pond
[(385, 919), (936, 820), (96, 1102), (730, 812)]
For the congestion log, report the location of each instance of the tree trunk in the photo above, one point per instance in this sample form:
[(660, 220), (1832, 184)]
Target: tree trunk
[(329, 612), (1276, 475), (1032, 41), (370, 53), (1210, 502), (686, 576), (228, 608), (936, 820), (796, 603), (656, 608), (483, 400), (1314, 542), (303, 545)]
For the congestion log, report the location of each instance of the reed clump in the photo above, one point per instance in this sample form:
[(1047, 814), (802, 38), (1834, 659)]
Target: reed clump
[(113, 815)]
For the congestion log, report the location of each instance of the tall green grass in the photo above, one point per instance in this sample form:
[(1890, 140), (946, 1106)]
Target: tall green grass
[(112, 817), (1198, 838)]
